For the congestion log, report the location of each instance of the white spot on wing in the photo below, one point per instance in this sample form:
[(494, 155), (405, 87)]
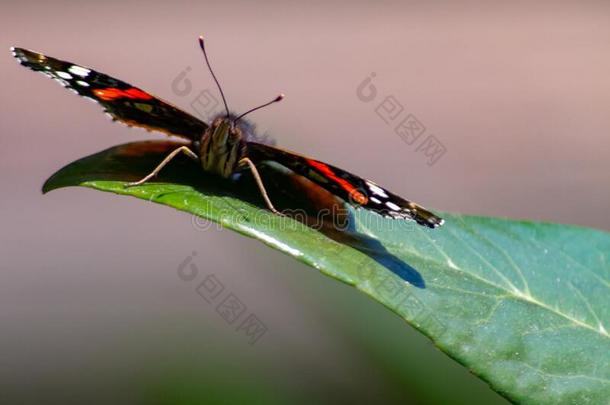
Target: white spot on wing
[(392, 206), (375, 200), (375, 189), (79, 71), (81, 83), (64, 75)]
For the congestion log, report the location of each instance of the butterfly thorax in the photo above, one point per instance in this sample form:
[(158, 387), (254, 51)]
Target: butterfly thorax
[(221, 147)]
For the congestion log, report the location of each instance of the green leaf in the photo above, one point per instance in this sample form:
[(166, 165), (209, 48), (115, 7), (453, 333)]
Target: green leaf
[(523, 305)]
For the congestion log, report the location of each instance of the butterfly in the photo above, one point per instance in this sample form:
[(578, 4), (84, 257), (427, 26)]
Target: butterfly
[(223, 146)]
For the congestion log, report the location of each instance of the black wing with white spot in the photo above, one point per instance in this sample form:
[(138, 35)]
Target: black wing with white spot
[(355, 190), (121, 100)]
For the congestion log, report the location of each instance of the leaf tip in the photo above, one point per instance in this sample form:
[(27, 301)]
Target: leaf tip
[(49, 185)]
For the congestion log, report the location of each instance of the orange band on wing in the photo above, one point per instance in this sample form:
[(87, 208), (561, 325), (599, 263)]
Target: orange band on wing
[(353, 192), (112, 93)]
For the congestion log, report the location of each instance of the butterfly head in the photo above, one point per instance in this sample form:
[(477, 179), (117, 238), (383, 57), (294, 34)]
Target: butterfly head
[(224, 131)]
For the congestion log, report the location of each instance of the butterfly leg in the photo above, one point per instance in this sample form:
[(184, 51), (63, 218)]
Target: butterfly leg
[(259, 183), (183, 149)]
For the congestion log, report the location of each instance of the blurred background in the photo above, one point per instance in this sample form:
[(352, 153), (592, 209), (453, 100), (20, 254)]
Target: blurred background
[(91, 305)]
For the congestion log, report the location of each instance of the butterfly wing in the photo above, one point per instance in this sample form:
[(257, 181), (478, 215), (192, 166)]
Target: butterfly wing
[(355, 190), (121, 100)]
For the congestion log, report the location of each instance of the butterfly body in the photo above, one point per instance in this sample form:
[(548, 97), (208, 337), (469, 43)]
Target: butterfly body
[(224, 146)]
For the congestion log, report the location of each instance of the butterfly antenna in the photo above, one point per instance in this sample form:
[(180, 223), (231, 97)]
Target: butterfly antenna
[(207, 62), (275, 100)]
